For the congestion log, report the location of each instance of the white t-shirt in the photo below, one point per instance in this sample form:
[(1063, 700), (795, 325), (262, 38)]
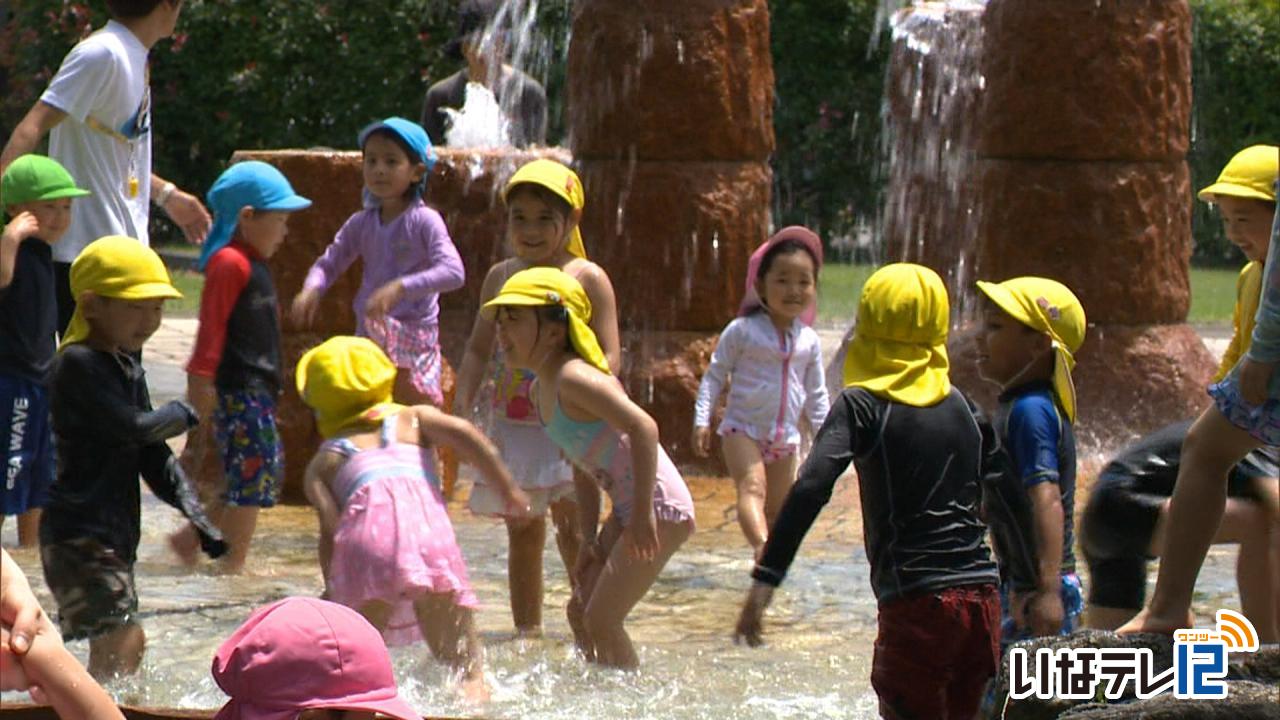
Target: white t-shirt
[(104, 77)]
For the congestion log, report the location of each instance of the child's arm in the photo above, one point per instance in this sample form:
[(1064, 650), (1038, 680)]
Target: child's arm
[(479, 345), (164, 476), (583, 390), (315, 485), (20, 228), (64, 682), (439, 428), (19, 609), (225, 277), (604, 313), (834, 448), (444, 271), (84, 375), (817, 404), (1264, 350), (723, 359), (325, 271), (1034, 436)]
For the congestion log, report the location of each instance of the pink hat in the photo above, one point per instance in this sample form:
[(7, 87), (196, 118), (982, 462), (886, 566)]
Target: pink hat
[(803, 235), (304, 653)]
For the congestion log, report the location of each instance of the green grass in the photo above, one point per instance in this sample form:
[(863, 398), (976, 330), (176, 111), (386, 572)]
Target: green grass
[(1213, 294), (189, 284)]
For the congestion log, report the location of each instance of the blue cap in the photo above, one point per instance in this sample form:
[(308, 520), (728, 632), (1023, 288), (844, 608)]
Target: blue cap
[(412, 134), (252, 184)]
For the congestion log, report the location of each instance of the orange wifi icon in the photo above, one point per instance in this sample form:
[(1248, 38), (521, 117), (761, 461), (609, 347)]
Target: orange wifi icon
[(1237, 632)]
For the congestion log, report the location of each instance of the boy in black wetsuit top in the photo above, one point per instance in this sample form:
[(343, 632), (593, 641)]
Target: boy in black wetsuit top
[(107, 435), (926, 462), (1031, 329)]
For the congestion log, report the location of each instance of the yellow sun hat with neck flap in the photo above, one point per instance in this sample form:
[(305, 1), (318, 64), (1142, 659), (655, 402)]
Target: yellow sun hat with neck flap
[(347, 381), (544, 286), (899, 346), (561, 181), (1049, 307), (116, 267)]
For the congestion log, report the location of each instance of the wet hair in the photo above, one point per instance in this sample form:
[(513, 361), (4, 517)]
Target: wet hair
[(556, 315), (410, 154), (546, 195), (129, 9), (784, 247)]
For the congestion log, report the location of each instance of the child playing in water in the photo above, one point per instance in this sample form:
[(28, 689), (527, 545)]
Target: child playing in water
[(387, 548), (775, 361), (35, 194), (542, 326), (932, 574), (44, 667), (233, 377), (544, 204), (106, 435), (1031, 329), (1246, 411), (307, 659), (408, 259)]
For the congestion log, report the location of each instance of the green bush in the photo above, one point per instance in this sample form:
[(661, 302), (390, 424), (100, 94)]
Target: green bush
[(1235, 71)]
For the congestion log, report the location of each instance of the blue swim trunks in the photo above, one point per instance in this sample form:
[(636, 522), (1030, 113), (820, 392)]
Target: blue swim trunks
[(26, 438), (252, 457), (1072, 607)]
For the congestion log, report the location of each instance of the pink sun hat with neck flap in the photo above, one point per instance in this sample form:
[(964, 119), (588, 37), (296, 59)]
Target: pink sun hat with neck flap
[(301, 654), (809, 239)]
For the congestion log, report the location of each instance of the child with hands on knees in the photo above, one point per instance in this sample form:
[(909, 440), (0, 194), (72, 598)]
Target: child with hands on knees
[(1032, 328), (541, 315), (233, 377), (307, 659), (387, 548), (106, 435), (407, 255), (33, 658), (544, 204), (1246, 410), (774, 359), (923, 503), (35, 194)]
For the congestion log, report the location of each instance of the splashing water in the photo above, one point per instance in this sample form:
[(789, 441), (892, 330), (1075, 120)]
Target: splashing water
[(480, 123)]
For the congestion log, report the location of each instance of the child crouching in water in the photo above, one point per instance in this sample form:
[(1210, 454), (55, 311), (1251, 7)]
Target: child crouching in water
[(307, 659), (926, 461), (775, 360), (387, 548), (541, 315)]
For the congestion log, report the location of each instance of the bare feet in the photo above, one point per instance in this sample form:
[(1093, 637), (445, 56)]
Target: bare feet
[(473, 688), (1147, 621), (186, 545)]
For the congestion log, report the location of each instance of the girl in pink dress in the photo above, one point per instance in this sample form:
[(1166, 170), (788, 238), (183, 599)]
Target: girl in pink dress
[(387, 547)]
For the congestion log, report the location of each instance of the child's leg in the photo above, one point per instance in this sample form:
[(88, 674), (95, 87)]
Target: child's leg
[(450, 632), (780, 475), (526, 537), (1212, 447), (29, 528), (742, 455), (117, 652), (564, 514), (622, 583), (237, 523)]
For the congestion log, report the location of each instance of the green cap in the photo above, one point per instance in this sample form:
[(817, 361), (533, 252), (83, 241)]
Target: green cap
[(32, 178)]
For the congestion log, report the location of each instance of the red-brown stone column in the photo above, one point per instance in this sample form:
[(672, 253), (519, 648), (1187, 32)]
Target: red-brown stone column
[(671, 117), (464, 187), (1083, 135)]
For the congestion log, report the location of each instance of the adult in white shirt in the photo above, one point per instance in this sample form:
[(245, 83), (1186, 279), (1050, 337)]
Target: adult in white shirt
[(97, 111)]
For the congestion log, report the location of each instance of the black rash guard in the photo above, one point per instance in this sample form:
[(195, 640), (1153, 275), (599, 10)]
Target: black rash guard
[(106, 436), (926, 477)]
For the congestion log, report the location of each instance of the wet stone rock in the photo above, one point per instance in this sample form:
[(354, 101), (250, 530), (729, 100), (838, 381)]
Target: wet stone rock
[(1245, 700), (661, 372), (675, 237), (1118, 234), (671, 80), (1087, 80)]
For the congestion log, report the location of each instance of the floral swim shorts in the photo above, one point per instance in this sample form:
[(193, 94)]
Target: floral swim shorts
[(414, 347), (252, 457)]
